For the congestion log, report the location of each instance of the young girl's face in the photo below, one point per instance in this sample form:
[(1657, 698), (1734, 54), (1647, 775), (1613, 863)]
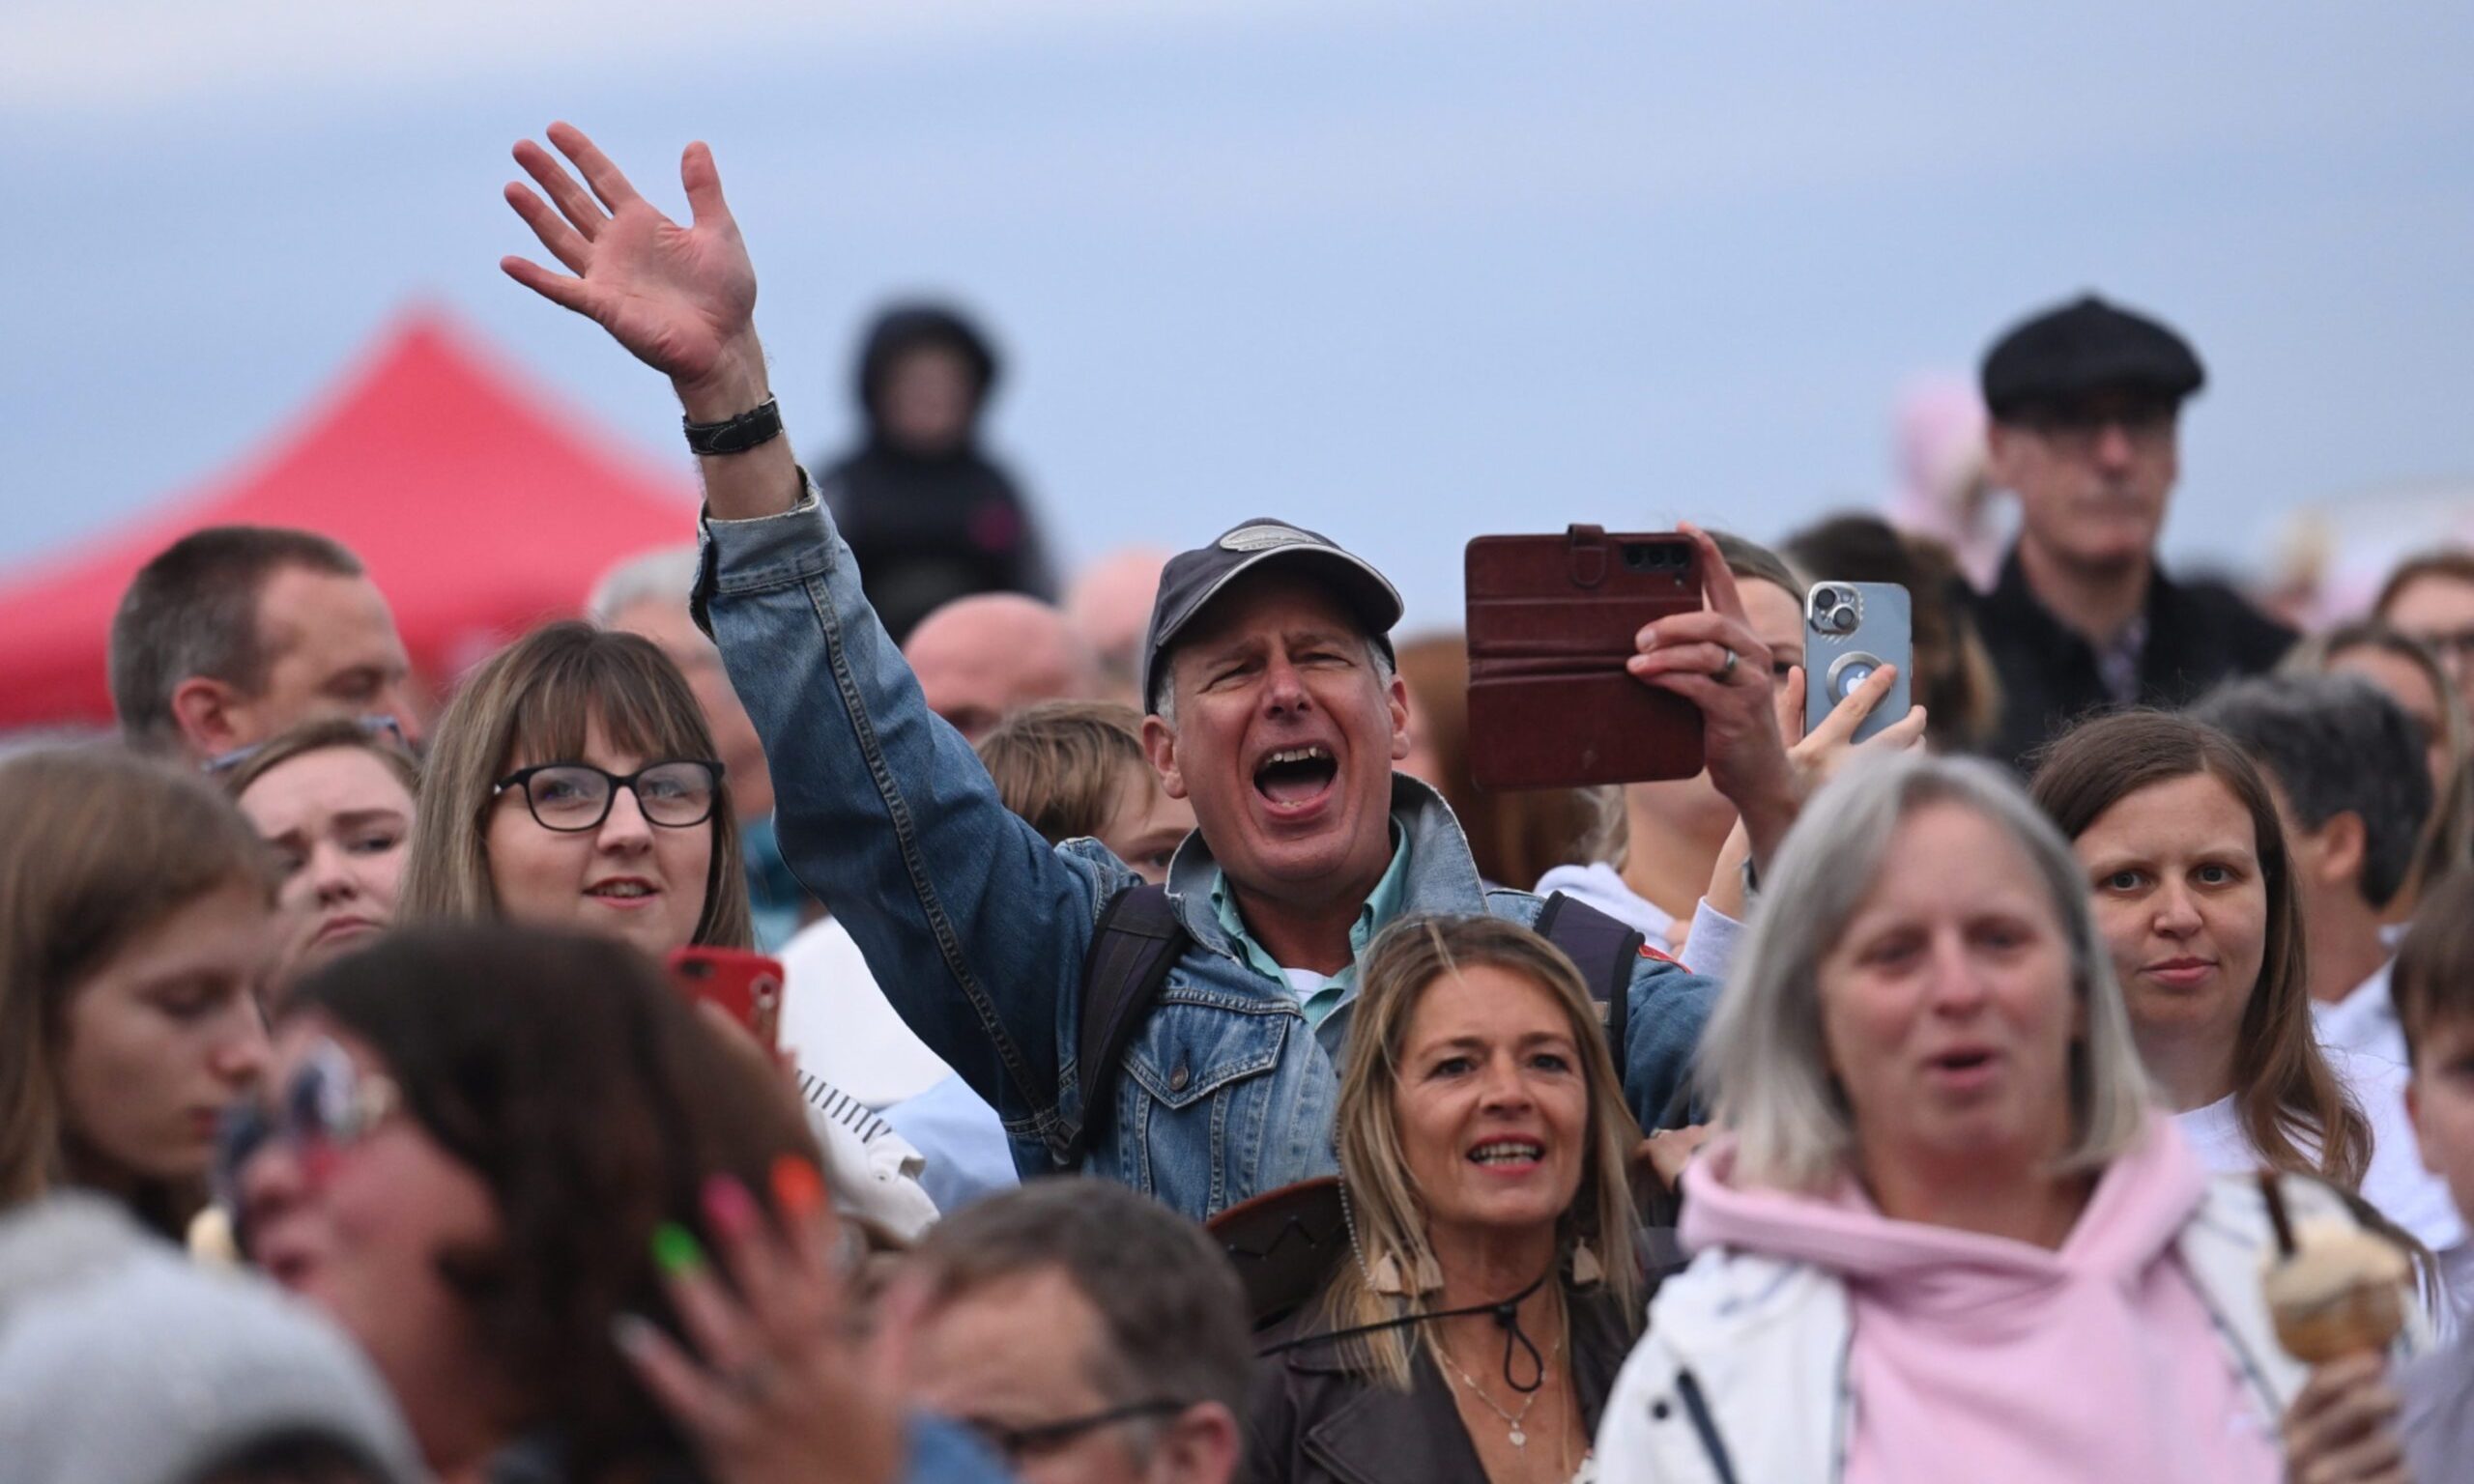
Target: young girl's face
[(1145, 826), (164, 1035)]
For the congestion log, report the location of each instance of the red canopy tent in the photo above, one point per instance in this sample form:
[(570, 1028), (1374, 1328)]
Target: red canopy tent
[(479, 509)]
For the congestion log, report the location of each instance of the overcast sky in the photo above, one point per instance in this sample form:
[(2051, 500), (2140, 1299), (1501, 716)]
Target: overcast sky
[(1404, 271)]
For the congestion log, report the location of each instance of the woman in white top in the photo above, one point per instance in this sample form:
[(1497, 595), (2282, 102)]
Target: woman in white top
[(2193, 891)]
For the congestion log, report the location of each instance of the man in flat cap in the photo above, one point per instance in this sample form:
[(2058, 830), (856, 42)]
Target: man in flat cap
[(2085, 400), (1273, 710)]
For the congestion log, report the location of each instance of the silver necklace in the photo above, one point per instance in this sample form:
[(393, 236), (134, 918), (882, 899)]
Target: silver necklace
[(1512, 1421)]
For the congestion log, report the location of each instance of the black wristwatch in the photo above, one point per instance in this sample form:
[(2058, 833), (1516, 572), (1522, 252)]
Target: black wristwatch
[(751, 429)]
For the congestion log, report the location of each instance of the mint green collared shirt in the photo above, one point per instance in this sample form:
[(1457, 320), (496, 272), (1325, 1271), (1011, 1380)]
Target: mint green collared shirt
[(1381, 906)]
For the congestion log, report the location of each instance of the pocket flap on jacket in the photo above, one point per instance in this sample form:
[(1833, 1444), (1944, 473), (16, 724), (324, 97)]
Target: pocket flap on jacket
[(1189, 1051)]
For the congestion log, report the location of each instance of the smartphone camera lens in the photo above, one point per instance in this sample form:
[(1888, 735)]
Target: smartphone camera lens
[(1637, 557), (1834, 611)]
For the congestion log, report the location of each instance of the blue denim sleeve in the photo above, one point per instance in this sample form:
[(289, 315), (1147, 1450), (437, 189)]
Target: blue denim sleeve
[(943, 1453), (974, 927), (1662, 1034)]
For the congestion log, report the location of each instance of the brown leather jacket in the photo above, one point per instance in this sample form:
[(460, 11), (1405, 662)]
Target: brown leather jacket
[(1316, 1420)]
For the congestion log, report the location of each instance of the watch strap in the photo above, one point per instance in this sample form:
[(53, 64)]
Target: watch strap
[(752, 429)]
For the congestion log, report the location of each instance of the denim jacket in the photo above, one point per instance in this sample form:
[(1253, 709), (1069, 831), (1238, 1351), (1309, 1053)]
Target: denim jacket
[(977, 928)]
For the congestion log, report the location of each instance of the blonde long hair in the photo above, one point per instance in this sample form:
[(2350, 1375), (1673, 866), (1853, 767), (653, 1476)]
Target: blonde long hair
[(1387, 1217), (534, 701)]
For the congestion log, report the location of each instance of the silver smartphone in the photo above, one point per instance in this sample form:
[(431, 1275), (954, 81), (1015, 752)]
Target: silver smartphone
[(1850, 629)]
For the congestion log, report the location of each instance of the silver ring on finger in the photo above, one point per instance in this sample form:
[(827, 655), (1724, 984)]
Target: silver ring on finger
[(1729, 668)]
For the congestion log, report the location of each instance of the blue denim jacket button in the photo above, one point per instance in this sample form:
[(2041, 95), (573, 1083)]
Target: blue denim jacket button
[(1177, 1080)]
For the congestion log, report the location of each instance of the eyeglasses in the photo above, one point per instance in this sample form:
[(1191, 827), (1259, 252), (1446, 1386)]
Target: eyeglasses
[(576, 796), (2456, 644), (2078, 430), (1015, 1444), (378, 726), (329, 1104)]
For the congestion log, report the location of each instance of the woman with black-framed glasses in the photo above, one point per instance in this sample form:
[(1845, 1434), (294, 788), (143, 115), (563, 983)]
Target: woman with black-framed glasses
[(573, 783)]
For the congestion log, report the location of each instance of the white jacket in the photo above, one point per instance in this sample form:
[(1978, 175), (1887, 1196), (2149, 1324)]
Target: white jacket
[(1741, 1377)]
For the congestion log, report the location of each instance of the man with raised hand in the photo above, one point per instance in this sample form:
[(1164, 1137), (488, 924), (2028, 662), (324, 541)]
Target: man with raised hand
[(1274, 712)]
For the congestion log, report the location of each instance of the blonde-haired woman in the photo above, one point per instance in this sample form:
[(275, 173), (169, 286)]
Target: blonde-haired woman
[(1493, 1285), (1942, 1235)]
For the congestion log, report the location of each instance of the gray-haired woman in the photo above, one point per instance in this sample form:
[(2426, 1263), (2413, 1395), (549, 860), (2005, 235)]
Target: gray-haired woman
[(1943, 1235)]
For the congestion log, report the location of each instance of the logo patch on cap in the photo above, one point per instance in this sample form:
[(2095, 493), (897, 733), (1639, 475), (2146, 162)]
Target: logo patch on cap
[(1262, 538)]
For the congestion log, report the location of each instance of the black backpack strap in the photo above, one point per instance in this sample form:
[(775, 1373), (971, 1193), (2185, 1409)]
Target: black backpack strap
[(1138, 940), (1605, 948)]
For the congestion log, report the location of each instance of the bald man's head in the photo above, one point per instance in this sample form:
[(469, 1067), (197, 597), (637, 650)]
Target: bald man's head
[(1110, 604), (980, 659)]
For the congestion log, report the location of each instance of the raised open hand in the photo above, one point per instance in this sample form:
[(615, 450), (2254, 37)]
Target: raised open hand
[(681, 299)]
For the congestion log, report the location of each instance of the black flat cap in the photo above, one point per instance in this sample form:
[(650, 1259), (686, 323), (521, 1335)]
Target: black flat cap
[(2065, 354), (1192, 579)]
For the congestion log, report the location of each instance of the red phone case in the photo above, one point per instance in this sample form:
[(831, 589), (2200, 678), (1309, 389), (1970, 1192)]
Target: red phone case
[(1551, 622), (746, 986)]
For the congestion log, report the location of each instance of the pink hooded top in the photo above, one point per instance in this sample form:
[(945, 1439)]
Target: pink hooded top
[(1979, 1358)]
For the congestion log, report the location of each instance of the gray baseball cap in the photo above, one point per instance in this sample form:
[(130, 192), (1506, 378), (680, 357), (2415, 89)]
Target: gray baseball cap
[(1192, 579)]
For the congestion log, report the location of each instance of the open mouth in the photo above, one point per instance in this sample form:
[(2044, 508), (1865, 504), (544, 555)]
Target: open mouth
[(1967, 1070), (1295, 775), (1508, 1152), (622, 891)]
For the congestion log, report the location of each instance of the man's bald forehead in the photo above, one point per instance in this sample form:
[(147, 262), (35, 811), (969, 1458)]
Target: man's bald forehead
[(981, 658)]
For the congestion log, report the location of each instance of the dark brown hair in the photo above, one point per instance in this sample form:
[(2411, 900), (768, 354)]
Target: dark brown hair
[(2433, 979), (97, 846), (532, 702), (2455, 563), (1059, 763), (193, 611), (594, 1104), (2284, 1095)]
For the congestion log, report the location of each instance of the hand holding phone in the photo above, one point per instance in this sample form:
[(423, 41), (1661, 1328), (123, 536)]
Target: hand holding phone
[(1851, 630), (1552, 626)]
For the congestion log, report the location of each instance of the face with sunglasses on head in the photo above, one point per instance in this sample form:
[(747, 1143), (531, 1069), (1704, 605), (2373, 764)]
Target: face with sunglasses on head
[(469, 1150), (350, 1203)]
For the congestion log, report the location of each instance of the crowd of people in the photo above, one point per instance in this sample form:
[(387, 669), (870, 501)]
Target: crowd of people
[(1184, 1073)]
